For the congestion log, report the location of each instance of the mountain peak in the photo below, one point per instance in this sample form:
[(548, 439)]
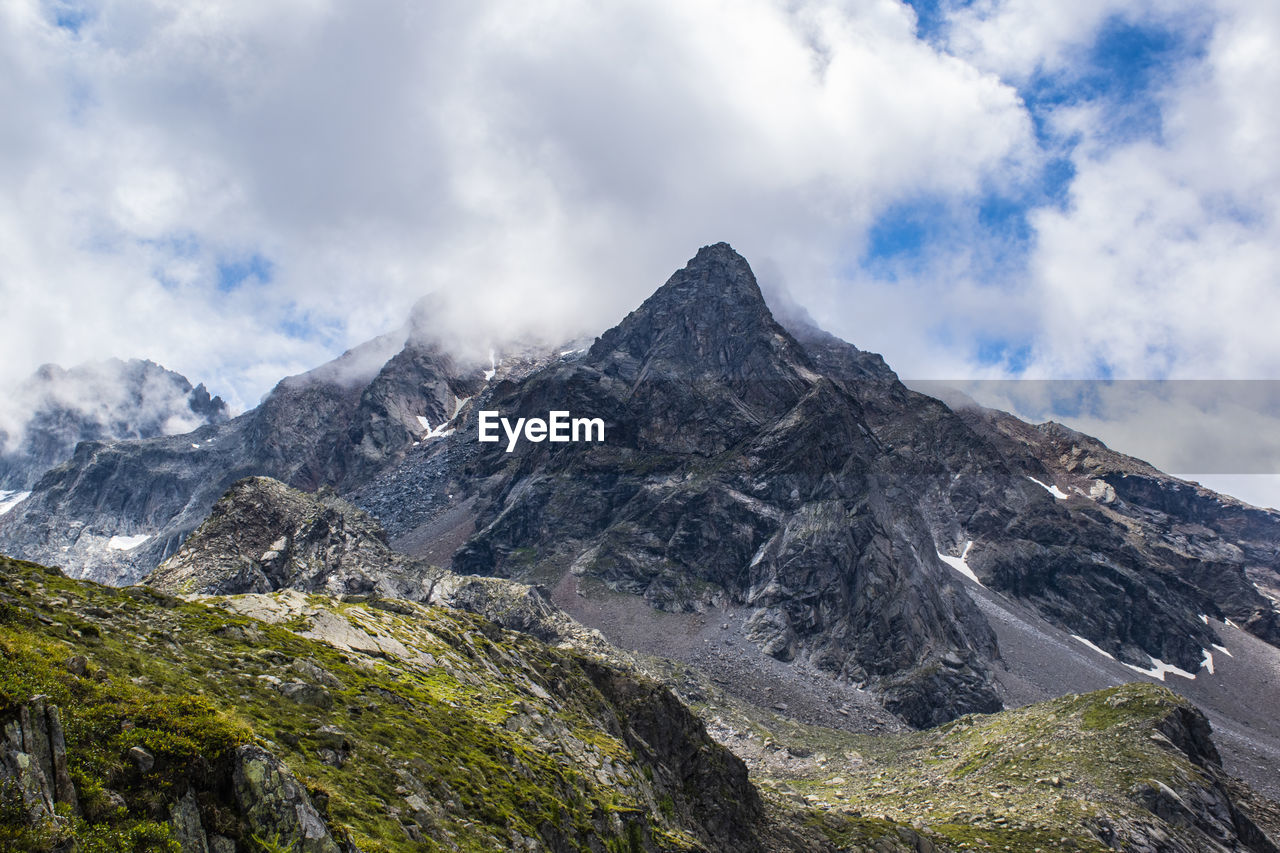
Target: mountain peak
[(717, 272), (709, 314)]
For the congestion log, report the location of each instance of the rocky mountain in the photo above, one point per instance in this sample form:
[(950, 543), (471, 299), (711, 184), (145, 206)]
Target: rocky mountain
[(769, 502), (733, 472), (116, 509), (56, 409)]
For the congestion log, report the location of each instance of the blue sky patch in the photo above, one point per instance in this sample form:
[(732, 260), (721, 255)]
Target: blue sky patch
[(1123, 72), (234, 274), (1011, 354), (992, 228), (931, 19), (70, 16)]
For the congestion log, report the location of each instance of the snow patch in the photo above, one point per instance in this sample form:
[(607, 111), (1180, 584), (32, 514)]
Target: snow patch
[(960, 563), (1204, 619), (1159, 668), (1224, 650), (127, 543), (458, 403), (1053, 490), (195, 446), (8, 500), (426, 424), (1232, 624), (1102, 652), (1207, 660)]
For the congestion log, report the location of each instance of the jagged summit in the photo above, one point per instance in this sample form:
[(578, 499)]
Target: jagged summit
[(710, 315)]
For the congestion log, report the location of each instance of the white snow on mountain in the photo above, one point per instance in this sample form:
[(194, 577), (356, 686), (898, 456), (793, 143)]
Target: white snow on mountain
[(1053, 490), (1159, 668), (1102, 652), (8, 500), (127, 543), (960, 564)]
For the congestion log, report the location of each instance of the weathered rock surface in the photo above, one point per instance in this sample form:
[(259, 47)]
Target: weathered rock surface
[(733, 471), (33, 761), (1173, 549), (264, 536), (276, 807)]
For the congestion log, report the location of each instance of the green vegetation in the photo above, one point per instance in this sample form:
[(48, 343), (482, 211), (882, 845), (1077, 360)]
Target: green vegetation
[(1048, 777), (416, 730)]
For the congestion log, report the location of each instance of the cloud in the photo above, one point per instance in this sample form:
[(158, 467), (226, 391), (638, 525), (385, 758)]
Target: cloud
[(1162, 260), (241, 190)]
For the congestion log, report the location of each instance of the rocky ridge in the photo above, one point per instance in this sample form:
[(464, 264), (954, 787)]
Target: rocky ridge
[(107, 401), (115, 510)]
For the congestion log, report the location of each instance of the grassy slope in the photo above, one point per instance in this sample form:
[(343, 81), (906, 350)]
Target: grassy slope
[(461, 736), (491, 747), (1056, 775)]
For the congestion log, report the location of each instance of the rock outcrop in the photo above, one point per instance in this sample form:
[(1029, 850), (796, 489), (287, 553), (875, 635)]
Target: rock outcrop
[(264, 536), (33, 762), (276, 807)]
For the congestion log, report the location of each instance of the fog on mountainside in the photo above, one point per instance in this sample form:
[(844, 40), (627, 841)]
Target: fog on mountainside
[(47, 415)]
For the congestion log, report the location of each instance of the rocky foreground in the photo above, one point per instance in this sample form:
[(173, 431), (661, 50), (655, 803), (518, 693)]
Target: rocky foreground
[(134, 720)]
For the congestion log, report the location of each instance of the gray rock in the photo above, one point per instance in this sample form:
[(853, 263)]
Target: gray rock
[(33, 760), (307, 694), (142, 759), (187, 829), (276, 806), (221, 844), (64, 789)]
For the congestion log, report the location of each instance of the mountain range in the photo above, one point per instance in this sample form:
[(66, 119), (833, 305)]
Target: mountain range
[(775, 527)]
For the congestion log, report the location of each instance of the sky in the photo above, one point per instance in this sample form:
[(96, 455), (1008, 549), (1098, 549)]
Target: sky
[(984, 190)]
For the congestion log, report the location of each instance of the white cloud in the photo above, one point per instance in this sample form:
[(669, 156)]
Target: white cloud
[(536, 160), (1164, 262), (1017, 38), (550, 163)]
